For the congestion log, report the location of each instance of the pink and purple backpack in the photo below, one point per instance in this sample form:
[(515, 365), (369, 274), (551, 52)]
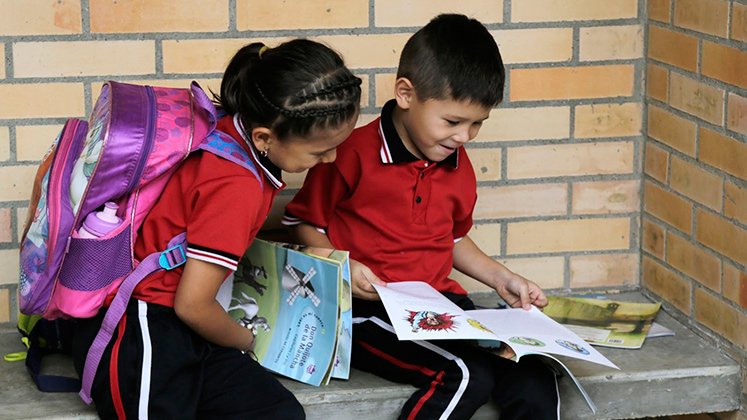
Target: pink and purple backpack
[(135, 139)]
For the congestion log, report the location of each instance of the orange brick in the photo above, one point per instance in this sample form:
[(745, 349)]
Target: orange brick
[(33, 141), (605, 197), (667, 206), (656, 162), (666, 284), (21, 214), (6, 233), (702, 186), (4, 144), (653, 240), (28, 100), (417, 13), (713, 312), (554, 11), (4, 305), (531, 123), (9, 262), (657, 82), (571, 82), (735, 202), (570, 160), (547, 272), (735, 285), (672, 130), (707, 16), (39, 17), (694, 261), (611, 43), (367, 51), (696, 98), (384, 87), (568, 235), (2, 61), (204, 55), (136, 16), (17, 182), (659, 10), (739, 22), (83, 58), (521, 201), (487, 237), (608, 120), (737, 113), (661, 47), (486, 163), (723, 152), (724, 63), (537, 45), (722, 236), (258, 15), (611, 270)]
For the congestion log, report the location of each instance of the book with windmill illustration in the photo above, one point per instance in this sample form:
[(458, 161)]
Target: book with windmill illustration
[(297, 300)]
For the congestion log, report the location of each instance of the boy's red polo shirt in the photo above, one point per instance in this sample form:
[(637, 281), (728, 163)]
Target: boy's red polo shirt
[(220, 205), (395, 213)]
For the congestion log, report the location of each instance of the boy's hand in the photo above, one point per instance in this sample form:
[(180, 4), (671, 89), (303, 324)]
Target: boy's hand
[(361, 278), (517, 292)]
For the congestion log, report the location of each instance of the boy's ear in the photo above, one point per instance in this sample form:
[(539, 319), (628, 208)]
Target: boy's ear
[(262, 137), (404, 92)]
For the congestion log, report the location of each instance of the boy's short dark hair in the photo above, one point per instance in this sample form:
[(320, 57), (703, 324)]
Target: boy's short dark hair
[(454, 57)]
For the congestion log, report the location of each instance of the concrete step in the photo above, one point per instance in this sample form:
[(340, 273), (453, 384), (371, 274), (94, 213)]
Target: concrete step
[(675, 375)]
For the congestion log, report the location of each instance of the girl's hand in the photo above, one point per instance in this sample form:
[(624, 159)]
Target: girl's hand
[(517, 292), (362, 279)]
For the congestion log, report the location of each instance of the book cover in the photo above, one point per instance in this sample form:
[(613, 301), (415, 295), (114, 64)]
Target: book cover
[(604, 322), (291, 298)]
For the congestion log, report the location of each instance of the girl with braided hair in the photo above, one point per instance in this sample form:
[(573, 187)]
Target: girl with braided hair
[(177, 353)]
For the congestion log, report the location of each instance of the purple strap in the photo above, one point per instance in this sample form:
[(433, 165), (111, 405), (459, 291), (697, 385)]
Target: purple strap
[(175, 256)]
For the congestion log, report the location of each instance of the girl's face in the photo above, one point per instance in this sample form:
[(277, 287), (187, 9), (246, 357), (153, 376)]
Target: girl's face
[(297, 154)]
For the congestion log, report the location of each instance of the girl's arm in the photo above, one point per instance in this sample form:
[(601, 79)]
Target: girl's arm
[(196, 306), (513, 288), (361, 276)]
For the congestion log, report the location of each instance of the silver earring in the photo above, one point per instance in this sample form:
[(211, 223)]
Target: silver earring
[(263, 153)]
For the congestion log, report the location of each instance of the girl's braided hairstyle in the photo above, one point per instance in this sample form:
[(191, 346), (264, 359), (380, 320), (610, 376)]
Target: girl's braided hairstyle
[(292, 89)]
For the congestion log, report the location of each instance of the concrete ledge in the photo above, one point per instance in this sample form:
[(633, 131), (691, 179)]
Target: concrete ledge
[(668, 376)]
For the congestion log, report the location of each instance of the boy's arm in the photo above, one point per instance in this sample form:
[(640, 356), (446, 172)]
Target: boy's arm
[(196, 306), (361, 276), (514, 289)]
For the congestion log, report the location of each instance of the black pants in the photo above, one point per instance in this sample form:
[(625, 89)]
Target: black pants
[(454, 378), (156, 366)]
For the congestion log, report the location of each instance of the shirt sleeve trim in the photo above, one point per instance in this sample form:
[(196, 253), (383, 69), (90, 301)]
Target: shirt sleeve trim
[(213, 257)]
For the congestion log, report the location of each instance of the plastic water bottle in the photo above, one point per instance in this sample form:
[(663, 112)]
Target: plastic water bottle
[(100, 223)]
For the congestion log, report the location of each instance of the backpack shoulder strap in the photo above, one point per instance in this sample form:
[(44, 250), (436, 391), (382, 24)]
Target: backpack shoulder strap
[(225, 146)]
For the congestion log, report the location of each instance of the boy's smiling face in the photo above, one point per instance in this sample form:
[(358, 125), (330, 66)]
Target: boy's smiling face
[(433, 129)]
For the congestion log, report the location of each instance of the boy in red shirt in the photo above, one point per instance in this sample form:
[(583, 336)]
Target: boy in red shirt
[(400, 197)]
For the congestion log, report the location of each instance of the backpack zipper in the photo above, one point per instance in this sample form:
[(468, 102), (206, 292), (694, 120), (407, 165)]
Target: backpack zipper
[(150, 136)]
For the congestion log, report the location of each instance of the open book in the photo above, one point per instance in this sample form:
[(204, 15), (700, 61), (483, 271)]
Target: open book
[(298, 301), (419, 312), (605, 322)]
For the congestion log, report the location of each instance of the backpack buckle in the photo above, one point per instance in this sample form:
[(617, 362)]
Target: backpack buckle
[(172, 257)]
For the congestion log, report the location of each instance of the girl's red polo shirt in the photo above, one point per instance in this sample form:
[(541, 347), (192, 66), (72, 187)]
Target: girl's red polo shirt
[(218, 203), (395, 213)]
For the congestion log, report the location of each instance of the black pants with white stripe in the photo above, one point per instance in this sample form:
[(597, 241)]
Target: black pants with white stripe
[(454, 378), (155, 366)]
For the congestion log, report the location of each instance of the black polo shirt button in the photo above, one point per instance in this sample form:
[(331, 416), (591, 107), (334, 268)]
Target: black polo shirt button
[(418, 199)]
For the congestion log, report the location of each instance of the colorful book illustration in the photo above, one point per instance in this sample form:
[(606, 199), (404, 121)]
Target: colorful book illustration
[(297, 299), (604, 322), (419, 312)]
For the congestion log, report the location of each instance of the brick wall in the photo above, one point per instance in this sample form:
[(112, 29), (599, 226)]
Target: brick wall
[(694, 233), (559, 163)]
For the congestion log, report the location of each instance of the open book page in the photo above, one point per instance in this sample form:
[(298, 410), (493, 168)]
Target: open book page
[(604, 322), (419, 312)]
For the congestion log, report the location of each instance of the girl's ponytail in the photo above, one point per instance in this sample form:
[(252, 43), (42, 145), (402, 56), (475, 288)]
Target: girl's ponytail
[(235, 78)]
